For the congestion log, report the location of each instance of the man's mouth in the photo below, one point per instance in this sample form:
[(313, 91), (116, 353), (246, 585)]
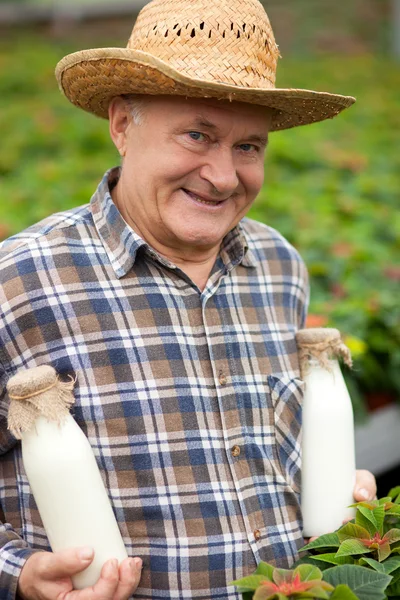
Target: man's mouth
[(201, 199)]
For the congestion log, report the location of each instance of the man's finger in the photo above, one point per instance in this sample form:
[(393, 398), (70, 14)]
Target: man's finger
[(365, 487), (104, 588), (55, 565), (130, 572)]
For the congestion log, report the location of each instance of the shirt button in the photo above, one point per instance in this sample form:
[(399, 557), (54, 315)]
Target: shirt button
[(257, 534), (222, 378), (235, 450)]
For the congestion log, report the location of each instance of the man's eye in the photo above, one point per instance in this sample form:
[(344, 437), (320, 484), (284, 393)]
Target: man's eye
[(248, 147), (197, 136)]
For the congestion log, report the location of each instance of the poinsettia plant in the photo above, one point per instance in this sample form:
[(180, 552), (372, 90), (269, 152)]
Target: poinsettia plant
[(361, 560), (305, 581), (371, 540)]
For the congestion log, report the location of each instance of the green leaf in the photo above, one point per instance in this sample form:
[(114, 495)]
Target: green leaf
[(391, 564), (395, 575), (329, 540), (393, 589), (374, 564), (352, 546), (266, 569), (383, 551), (313, 560), (371, 504), (352, 531), (394, 510), (343, 592), (393, 535), (385, 500), (332, 558), (308, 572), (316, 592), (263, 593), (394, 494), (282, 576), (366, 583), (375, 516), (367, 522), (251, 582)]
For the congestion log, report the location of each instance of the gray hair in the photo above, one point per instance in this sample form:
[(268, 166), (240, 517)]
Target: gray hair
[(137, 106)]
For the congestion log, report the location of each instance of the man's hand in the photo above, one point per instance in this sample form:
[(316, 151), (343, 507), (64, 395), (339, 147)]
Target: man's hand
[(365, 487), (47, 576)]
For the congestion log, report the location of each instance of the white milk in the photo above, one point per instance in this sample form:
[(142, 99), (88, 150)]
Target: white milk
[(70, 494), (328, 455)]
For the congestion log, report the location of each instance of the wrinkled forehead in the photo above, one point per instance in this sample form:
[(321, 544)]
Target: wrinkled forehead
[(211, 111)]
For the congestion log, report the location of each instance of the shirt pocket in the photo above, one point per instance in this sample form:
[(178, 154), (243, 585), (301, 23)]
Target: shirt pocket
[(287, 401)]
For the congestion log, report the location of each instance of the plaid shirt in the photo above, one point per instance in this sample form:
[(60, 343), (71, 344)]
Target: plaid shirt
[(191, 400)]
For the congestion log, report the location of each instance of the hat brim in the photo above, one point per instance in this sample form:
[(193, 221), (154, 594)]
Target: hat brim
[(91, 78)]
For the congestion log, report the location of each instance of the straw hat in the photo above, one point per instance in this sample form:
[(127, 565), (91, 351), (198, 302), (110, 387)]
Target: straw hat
[(222, 49)]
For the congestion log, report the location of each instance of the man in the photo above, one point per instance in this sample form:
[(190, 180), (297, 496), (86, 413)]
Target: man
[(175, 313)]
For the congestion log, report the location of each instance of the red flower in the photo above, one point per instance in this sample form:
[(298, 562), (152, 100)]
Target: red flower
[(288, 585)]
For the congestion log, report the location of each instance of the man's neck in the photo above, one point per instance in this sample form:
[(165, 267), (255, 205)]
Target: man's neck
[(198, 271), (196, 264)]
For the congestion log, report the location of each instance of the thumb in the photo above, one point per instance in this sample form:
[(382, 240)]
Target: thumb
[(66, 562)]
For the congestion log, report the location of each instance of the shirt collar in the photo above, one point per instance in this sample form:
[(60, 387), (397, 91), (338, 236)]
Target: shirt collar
[(122, 243)]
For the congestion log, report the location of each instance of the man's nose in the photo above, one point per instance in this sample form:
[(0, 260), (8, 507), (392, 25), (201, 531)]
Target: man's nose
[(220, 171)]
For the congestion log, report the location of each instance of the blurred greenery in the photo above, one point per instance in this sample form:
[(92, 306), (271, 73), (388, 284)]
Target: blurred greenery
[(332, 188)]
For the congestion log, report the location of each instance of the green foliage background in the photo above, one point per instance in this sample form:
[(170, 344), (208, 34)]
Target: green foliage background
[(332, 188)]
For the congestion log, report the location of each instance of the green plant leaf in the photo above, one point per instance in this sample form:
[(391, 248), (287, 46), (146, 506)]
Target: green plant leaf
[(352, 546), (394, 510), (367, 522), (384, 500), (313, 560), (343, 592), (332, 558), (266, 569), (308, 572), (251, 582), (395, 575), (393, 589), (366, 583), (391, 564), (375, 516), (314, 593), (282, 575), (394, 494), (351, 530), (374, 564), (371, 504), (263, 593), (329, 540), (393, 535), (383, 551)]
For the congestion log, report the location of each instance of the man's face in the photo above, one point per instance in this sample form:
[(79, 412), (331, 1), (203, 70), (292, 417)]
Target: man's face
[(192, 169)]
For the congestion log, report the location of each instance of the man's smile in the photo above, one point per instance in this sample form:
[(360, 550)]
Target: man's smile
[(203, 199)]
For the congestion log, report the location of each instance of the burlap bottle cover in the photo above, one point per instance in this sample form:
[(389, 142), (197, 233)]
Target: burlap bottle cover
[(37, 392), (321, 344)]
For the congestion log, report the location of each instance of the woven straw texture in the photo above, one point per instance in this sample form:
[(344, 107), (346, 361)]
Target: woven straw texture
[(223, 49), (321, 344), (37, 392)]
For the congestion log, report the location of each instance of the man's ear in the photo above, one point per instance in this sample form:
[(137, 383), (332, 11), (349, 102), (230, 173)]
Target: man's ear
[(120, 119)]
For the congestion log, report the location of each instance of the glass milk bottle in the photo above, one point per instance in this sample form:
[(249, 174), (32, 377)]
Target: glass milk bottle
[(328, 453), (62, 470)]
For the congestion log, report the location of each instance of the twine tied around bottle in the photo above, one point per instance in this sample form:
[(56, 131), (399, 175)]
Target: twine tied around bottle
[(321, 344), (37, 392)]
